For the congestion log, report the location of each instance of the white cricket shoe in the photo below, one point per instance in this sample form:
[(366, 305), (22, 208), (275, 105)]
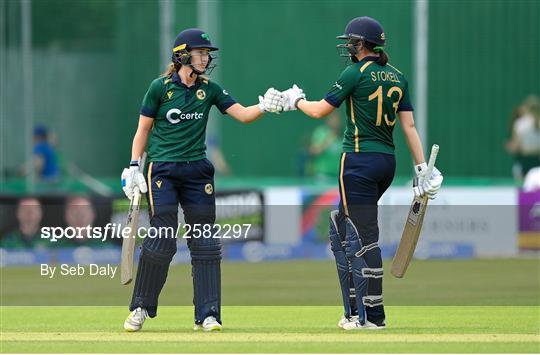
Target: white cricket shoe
[(135, 320), (354, 325), (344, 320), (209, 324)]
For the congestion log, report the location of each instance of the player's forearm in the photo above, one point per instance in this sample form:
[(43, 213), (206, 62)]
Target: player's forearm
[(314, 109), (139, 144), (411, 136), (141, 137), (244, 114), (251, 113), (414, 143)]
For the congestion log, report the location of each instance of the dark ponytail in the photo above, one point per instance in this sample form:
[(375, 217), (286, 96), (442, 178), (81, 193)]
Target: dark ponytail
[(383, 57)]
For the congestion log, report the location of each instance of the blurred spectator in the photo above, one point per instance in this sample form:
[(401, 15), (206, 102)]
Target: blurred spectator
[(524, 143), (27, 235), (45, 157), (532, 181), (80, 213), (325, 147)]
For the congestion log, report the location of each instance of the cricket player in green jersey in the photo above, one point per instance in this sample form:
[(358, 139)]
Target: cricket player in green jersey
[(376, 94), (173, 119)]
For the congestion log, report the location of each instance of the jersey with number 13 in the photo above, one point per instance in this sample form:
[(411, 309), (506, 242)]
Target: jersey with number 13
[(374, 94)]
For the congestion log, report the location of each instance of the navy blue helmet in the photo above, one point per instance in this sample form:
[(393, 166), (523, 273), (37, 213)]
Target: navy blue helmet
[(360, 30), (192, 38), (366, 29)]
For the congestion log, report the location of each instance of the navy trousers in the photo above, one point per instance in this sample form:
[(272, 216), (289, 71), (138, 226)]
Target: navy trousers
[(192, 185), (363, 179)]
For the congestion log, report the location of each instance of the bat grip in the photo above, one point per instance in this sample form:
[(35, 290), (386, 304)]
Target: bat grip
[(432, 159), (142, 161), (136, 192)]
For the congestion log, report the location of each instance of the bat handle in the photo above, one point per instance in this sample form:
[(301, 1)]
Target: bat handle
[(136, 192), (432, 158), (142, 161)]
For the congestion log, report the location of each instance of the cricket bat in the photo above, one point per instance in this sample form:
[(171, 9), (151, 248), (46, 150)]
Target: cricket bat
[(413, 226), (128, 244)]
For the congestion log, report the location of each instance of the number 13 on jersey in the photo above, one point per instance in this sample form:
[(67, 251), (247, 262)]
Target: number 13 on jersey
[(378, 94)]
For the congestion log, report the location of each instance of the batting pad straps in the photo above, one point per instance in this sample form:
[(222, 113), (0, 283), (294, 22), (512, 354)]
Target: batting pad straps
[(372, 301), (205, 252), (152, 274), (375, 273), (160, 257), (363, 250), (343, 266), (206, 272)]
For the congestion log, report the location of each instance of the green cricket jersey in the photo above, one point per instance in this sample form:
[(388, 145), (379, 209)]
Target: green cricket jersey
[(180, 116), (373, 95)]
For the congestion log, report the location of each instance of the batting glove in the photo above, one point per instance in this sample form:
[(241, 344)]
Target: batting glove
[(132, 178), (418, 181), (272, 101), (422, 184), (292, 96), (433, 184)]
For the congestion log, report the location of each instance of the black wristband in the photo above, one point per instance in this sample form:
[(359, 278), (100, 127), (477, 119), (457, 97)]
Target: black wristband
[(298, 100), (134, 163)]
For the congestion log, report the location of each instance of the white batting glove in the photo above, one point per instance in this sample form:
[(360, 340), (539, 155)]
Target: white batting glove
[(422, 184), (132, 178), (433, 184), (292, 96), (419, 180), (272, 101)]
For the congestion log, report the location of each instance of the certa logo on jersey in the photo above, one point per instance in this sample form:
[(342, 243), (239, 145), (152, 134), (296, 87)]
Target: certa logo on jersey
[(175, 115)]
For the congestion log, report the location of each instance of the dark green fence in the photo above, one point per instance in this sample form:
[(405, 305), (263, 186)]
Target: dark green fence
[(93, 60)]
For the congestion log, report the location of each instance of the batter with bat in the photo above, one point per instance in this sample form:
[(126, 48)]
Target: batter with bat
[(376, 95), (173, 120)]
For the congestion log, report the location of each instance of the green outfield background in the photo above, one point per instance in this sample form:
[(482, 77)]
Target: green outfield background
[(93, 61), (304, 329), (480, 282), (478, 306)]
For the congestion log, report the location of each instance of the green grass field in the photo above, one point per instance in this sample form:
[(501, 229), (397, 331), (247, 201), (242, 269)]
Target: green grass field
[(472, 306), (270, 329)]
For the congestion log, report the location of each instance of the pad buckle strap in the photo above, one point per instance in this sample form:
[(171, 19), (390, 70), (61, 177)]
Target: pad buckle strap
[(363, 250), (372, 301), (375, 273)]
